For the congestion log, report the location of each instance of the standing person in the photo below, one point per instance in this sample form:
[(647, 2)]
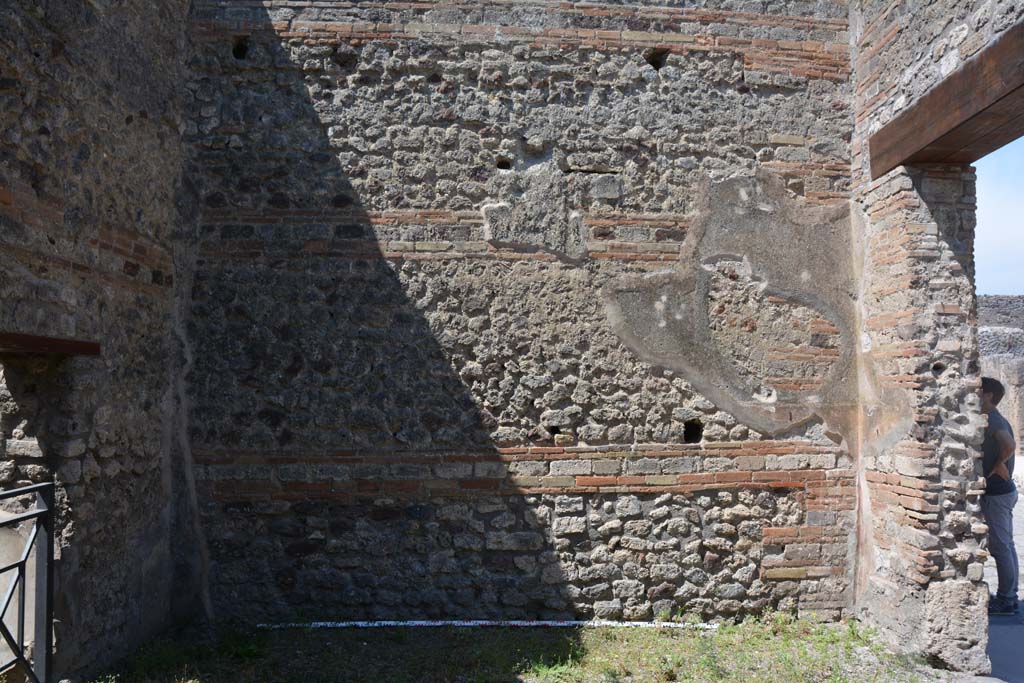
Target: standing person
[(1000, 496)]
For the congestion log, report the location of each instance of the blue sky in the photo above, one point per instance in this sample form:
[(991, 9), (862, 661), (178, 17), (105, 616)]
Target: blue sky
[(999, 241)]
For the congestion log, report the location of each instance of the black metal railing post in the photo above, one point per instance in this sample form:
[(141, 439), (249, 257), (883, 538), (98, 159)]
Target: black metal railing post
[(44, 587), (39, 544)]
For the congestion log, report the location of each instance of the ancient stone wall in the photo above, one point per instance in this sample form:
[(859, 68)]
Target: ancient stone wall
[(493, 310), (923, 538), (90, 197), (902, 54), (1001, 311), (409, 397)]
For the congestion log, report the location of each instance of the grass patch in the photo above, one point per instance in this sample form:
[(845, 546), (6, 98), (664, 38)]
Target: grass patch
[(774, 649)]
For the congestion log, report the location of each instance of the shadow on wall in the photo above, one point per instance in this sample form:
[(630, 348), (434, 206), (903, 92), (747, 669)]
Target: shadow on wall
[(344, 470), (44, 401), (343, 343), (29, 386)]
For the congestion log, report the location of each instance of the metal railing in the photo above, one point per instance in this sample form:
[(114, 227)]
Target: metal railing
[(40, 540)]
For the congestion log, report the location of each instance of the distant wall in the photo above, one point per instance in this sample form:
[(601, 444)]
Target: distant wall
[(1001, 350), (90, 198), (1001, 311)]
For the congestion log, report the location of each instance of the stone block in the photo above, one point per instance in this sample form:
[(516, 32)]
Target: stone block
[(731, 591), (608, 609), (780, 573), (297, 472), (529, 468), (643, 466), (627, 506), (521, 540), (491, 470), (606, 186), (566, 526), (607, 466), (637, 612), (665, 572), (23, 448), (557, 481), (955, 627), (453, 470), (684, 465), (565, 504), (628, 588), (571, 467), (553, 574)]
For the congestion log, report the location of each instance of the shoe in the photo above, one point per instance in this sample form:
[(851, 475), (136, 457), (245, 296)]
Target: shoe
[(998, 605)]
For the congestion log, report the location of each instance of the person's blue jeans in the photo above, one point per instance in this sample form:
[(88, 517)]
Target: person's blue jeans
[(998, 511)]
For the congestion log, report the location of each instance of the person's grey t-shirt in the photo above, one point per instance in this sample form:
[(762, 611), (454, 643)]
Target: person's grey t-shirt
[(994, 484)]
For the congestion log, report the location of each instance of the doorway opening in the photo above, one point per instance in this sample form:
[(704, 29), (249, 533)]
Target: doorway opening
[(999, 283)]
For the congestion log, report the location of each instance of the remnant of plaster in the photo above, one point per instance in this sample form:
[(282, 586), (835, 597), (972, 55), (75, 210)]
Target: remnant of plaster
[(747, 266), (751, 230), (541, 218), (495, 214), (190, 552)]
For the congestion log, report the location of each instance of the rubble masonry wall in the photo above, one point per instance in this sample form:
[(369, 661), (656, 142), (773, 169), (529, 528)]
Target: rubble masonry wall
[(923, 536), (408, 399), (90, 199), (504, 310)]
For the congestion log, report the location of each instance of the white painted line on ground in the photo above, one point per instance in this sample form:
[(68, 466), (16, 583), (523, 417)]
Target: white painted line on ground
[(596, 623)]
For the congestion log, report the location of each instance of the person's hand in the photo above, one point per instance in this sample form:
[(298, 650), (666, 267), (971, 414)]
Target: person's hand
[(1000, 471)]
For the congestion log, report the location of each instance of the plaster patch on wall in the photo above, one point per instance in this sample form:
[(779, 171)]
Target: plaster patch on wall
[(748, 286), (542, 218)]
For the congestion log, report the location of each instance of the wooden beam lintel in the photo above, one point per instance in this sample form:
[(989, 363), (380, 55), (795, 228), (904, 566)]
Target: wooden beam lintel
[(13, 342)]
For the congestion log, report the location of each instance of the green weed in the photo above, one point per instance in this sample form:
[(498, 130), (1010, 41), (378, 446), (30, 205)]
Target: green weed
[(773, 648)]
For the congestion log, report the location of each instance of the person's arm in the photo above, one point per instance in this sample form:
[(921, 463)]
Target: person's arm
[(1006, 449)]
